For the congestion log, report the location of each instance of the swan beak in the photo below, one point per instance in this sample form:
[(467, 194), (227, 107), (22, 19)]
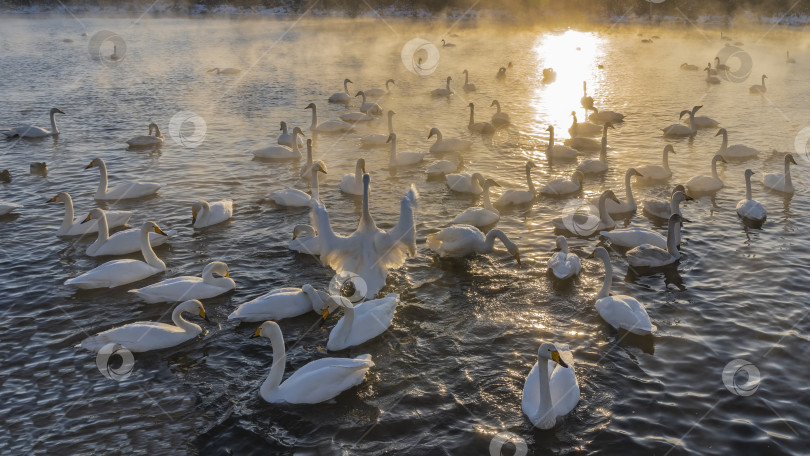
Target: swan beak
[(89, 166), (517, 258), (325, 313), (257, 332), (194, 217), (688, 198), (555, 356), (87, 219), (591, 255), (59, 111), (793, 160), (53, 200), (294, 235), (685, 220), (227, 273), (205, 317), (159, 231)]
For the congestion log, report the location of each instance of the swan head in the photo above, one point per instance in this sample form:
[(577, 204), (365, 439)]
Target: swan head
[(606, 195), (679, 188), (669, 149), (494, 103), (309, 145), (680, 196), (319, 166), (56, 111), (94, 214), (195, 209), (303, 231), (391, 114), (562, 243), (150, 225), (578, 176), (267, 329), (764, 77), (490, 183), (574, 114), (789, 159), (62, 197), (449, 79), (719, 158), (298, 131), (529, 165), (192, 305), (685, 111), (465, 72), (600, 253), (721, 131), (393, 137), (434, 131), (217, 267), (633, 172), (471, 105), (283, 126), (608, 125), (696, 108), (548, 351), (99, 162), (361, 164), (478, 177), (749, 173), (550, 129), (310, 106), (347, 81), (359, 93)]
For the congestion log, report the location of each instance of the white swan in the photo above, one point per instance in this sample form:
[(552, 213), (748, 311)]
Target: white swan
[(737, 151), (369, 252), (330, 126), (620, 311), (653, 256), (143, 336), (362, 322), (629, 204), (585, 224), (205, 214), (780, 182), (634, 237), (465, 183), (562, 187), (292, 197), (468, 87), (584, 144), (305, 240), (462, 240), (6, 207), (355, 117), (444, 92), (224, 70), (306, 173), (709, 76), (586, 101), (563, 264), (518, 197), (122, 242), (279, 152), (370, 108), (759, 88), (184, 288), (578, 129), (376, 139), (121, 272), (377, 93), (30, 131), (315, 382), (679, 130), (750, 208), (657, 172), (558, 151), (499, 119), (444, 167), (143, 141), (597, 166), (706, 184), (124, 189), (75, 227), (478, 127), (443, 144), (284, 303), (701, 121), (664, 209), (551, 390), (342, 97), (600, 117), (352, 184), (397, 159), (286, 138), (480, 216)]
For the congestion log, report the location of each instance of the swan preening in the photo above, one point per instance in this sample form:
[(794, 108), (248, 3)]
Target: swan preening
[(184, 288), (315, 382), (654, 256), (305, 240), (342, 97), (480, 216), (518, 197), (122, 242), (286, 138), (121, 272), (279, 152), (330, 126), (362, 322), (378, 140), (369, 252), (377, 93), (6, 207), (551, 390), (759, 88), (144, 336), (31, 131), (444, 92), (75, 227), (737, 151), (564, 264), (478, 127), (780, 182), (750, 208), (443, 144), (144, 141), (284, 303), (462, 240), (620, 311), (204, 214), (706, 184), (124, 189)]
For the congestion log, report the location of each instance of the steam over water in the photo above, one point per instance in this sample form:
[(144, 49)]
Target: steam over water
[(450, 371)]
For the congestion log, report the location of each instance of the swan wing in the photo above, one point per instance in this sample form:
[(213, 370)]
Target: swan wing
[(323, 379), (291, 197), (114, 273), (625, 312), (455, 241), (400, 242), (274, 305), (129, 190), (141, 336)]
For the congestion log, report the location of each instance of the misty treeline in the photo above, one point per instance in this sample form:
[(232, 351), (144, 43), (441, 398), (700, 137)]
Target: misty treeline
[(527, 9)]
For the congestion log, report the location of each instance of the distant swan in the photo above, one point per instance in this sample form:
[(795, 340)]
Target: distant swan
[(402, 158), (444, 167), (601, 117), (447, 144), (478, 127), (583, 128), (750, 208), (445, 92), (286, 139), (377, 93), (701, 121), (342, 97), (330, 126), (759, 88), (30, 131), (678, 130), (144, 141), (370, 108), (124, 189), (444, 44), (709, 78), (226, 70), (789, 58), (279, 152), (378, 140), (499, 119), (558, 151), (467, 86), (620, 311), (564, 264)]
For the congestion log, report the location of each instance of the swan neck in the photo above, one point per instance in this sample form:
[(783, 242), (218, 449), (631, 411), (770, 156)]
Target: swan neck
[(788, 181), (714, 168), (182, 323), (315, 185), (603, 152), (748, 194), (392, 157), (628, 189), (674, 206), (348, 322), (550, 139), (390, 124), (314, 119), (666, 159), (273, 380), (604, 215), (149, 254), (54, 130), (673, 238), (545, 405), (529, 182), (498, 106), (346, 87), (103, 230), (466, 78), (487, 202), (102, 183), (472, 115), (295, 143), (604, 292), (365, 217)]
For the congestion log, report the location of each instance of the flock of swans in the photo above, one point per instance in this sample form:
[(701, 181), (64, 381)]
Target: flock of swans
[(551, 388)]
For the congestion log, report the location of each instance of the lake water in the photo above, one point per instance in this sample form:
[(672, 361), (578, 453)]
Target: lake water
[(449, 373)]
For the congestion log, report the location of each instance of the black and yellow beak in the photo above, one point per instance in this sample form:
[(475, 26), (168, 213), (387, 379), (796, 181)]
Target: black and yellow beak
[(325, 313), (517, 258), (53, 200), (257, 332), (86, 219), (205, 317), (227, 273), (193, 217), (89, 166), (555, 356), (159, 231)]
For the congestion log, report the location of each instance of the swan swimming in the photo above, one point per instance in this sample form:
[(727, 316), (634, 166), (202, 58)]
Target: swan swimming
[(664, 209), (444, 167), (184, 288), (466, 183), (282, 303), (499, 119), (597, 166), (519, 197), (750, 208), (330, 126), (781, 182), (315, 382), (679, 130), (143, 336), (6, 207), (352, 184), (586, 224), (478, 127), (653, 256), (378, 140), (579, 129), (444, 92), (342, 97), (205, 214), (563, 187), (75, 227), (121, 272), (564, 264), (292, 197), (124, 189), (144, 141), (558, 151), (30, 131), (759, 88), (737, 151), (468, 87), (657, 172), (551, 390), (706, 184), (362, 322), (225, 70), (458, 241), (480, 216), (601, 117), (305, 240), (370, 108), (447, 144), (286, 138), (402, 158), (620, 311), (122, 242), (279, 152), (701, 121), (586, 101), (377, 93), (629, 204)]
